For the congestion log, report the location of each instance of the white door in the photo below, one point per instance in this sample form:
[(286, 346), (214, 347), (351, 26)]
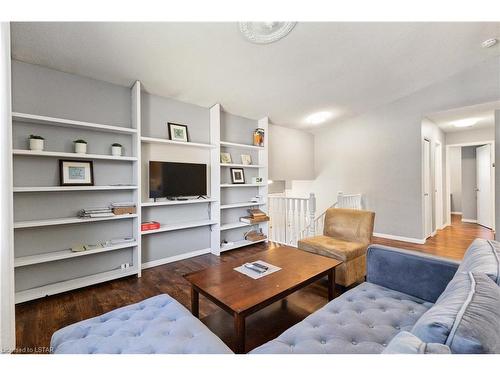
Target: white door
[(483, 186), (438, 186), (427, 189)]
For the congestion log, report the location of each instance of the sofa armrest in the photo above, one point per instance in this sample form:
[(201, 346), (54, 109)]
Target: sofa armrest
[(418, 274)]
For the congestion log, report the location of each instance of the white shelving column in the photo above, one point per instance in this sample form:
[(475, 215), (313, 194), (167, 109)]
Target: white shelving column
[(136, 146), (215, 178), (263, 172)]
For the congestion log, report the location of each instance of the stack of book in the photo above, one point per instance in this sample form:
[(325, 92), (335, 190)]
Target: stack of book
[(95, 212), (123, 208), (256, 216)]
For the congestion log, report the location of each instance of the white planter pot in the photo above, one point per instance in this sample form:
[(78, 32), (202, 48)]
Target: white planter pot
[(80, 148), (116, 151), (36, 144)]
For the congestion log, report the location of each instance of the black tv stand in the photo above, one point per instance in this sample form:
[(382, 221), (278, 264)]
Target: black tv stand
[(201, 197)]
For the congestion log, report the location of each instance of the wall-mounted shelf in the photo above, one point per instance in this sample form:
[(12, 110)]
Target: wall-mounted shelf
[(177, 143), (237, 224), (186, 225), (238, 244), (239, 185), (242, 204), (50, 289), (67, 220), (54, 121), (176, 203), (34, 189), (65, 254), (242, 165), (71, 155), (240, 145)]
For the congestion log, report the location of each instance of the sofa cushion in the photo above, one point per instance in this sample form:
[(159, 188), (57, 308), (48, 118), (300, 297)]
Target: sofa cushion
[(407, 343), (332, 247), (482, 256), (362, 320), (156, 325), (466, 317)]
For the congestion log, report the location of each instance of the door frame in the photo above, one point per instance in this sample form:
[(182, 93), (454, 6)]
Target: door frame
[(438, 181), (431, 208), (448, 177)]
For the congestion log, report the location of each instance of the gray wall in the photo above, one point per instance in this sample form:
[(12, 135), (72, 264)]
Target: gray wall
[(469, 202), (379, 153), (455, 165), (497, 174), (291, 154), (468, 136)]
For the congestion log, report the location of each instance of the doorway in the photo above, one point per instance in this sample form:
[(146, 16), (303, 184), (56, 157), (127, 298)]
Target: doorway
[(427, 189)]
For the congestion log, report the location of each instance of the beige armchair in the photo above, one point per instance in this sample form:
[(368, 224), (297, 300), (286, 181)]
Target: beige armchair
[(346, 236)]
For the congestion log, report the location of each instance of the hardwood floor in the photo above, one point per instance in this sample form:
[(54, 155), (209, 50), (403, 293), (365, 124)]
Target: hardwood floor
[(37, 320)]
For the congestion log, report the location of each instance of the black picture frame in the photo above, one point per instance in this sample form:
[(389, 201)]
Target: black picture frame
[(61, 172), (233, 180), (170, 132)]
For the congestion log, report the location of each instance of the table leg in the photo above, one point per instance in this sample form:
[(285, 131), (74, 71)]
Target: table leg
[(331, 284), (195, 302), (239, 329)]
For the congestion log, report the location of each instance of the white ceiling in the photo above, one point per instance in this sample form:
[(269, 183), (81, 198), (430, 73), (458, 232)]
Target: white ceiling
[(484, 113), (346, 68)]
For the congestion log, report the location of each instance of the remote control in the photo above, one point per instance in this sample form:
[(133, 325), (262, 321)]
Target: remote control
[(265, 268), (250, 266)]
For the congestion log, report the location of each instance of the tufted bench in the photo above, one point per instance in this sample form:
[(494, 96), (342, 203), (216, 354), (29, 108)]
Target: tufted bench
[(156, 325)]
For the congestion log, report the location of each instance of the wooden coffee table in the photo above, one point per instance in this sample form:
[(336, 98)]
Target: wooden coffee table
[(241, 295)]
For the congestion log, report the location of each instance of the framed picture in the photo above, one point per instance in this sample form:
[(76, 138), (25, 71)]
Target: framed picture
[(246, 159), (237, 176), (178, 132), (76, 173), (225, 158)]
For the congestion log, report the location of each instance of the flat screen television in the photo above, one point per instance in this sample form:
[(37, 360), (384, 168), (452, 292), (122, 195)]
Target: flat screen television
[(172, 180)]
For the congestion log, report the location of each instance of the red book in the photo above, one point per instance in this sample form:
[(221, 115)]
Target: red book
[(149, 225)]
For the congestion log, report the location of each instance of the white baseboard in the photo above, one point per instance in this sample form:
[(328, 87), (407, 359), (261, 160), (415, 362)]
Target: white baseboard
[(400, 238), (456, 213), (175, 258), (473, 221)]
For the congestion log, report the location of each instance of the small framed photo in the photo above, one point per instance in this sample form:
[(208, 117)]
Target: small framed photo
[(246, 159), (237, 176), (76, 173), (225, 158), (178, 132)]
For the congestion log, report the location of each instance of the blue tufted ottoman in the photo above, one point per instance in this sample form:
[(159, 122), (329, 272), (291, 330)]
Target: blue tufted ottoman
[(156, 325)]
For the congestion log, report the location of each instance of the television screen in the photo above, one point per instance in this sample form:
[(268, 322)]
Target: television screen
[(170, 180)]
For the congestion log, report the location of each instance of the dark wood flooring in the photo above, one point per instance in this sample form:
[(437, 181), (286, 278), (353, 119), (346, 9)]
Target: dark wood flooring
[(37, 320)]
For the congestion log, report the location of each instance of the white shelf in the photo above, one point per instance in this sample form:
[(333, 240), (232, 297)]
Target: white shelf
[(238, 224), (178, 226), (243, 204), (71, 155), (241, 165), (170, 142), (240, 145), (240, 185), (65, 254), (175, 203), (50, 289), (44, 120), (30, 189), (67, 220), (241, 243)]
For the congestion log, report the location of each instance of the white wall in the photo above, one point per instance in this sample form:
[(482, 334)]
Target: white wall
[(379, 153), (291, 154), (469, 201), (455, 165), (469, 136)]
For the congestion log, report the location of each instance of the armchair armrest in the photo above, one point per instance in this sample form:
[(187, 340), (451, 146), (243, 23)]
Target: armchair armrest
[(418, 274)]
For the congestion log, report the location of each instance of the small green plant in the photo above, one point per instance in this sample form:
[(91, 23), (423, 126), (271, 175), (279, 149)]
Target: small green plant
[(116, 145), (32, 136), (80, 141)]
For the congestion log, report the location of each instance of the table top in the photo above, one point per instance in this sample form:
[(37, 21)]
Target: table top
[(239, 293)]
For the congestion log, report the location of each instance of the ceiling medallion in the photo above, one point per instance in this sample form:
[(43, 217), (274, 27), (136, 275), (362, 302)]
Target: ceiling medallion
[(265, 32)]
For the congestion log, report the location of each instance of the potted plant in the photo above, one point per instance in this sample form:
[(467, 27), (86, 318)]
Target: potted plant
[(80, 146), (36, 142), (116, 149)]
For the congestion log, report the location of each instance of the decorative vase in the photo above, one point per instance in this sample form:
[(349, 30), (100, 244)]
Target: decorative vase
[(36, 144), (80, 148), (116, 151)]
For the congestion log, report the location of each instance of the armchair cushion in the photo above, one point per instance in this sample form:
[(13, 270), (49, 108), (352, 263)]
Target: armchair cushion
[(349, 225), (483, 256), (332, 247)]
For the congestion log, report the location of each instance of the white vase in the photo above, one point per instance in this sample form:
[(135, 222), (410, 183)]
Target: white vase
[(36, 144), (80, 148), (116, 151)]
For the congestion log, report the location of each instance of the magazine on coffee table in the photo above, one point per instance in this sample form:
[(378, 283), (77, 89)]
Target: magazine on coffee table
[(257, 269)]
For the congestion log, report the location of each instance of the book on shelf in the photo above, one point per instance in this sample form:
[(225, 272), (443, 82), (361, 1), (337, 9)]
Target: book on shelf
[(254, 220), (256, 212), (150, 225), (95, 212), (123, 208), (123, 204)]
